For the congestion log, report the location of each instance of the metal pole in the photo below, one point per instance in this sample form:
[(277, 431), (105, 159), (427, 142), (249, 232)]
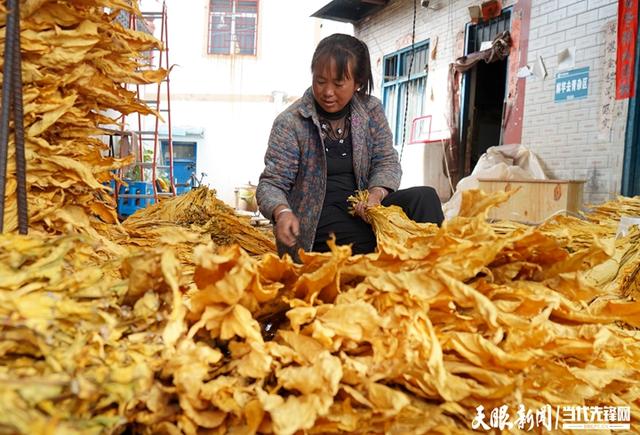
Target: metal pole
[(165, 26), (18, 125), (156, 137), (6, 102)]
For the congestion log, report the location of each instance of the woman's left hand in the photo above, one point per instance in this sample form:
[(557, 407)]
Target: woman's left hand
[(376, 195)]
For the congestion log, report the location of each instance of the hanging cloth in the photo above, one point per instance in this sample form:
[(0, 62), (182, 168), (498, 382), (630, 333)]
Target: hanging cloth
[(499, 49)]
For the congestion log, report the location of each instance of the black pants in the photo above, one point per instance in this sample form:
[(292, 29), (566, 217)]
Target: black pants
[(421, 204)]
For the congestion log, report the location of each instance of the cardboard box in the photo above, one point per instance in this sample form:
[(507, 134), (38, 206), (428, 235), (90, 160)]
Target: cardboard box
[(536, 200)]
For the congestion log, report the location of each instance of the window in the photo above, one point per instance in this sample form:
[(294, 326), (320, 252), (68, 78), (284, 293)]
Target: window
[(233, 27), (395, 81), (487, 30)]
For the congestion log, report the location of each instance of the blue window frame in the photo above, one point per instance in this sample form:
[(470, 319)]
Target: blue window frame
[(396, 79)]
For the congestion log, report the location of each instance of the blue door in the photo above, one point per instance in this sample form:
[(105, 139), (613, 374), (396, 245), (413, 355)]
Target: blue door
[(184, 163), (182, 171)]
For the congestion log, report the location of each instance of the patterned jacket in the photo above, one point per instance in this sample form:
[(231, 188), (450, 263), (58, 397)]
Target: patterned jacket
[(295, 172)]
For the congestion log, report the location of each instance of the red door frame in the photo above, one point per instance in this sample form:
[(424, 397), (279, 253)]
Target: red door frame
[(514, 112)]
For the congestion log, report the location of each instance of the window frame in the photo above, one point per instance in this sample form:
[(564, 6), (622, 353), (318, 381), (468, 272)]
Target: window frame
[(234, 47), (394, 88)]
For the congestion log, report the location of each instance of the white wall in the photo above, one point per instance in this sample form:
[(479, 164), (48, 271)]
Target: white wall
[(232, 97), (576, 140)]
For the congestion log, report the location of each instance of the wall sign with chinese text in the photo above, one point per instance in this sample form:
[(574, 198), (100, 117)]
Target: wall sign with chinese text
[(626, 56), (572, 84)]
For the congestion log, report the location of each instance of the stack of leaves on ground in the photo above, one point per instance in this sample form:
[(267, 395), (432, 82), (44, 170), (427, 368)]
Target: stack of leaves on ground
[(81, 338)]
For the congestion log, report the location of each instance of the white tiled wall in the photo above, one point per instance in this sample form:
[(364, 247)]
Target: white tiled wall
[(568, 136)]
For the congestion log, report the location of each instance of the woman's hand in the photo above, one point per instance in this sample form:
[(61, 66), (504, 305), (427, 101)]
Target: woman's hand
[(375, 197), (287, 226)]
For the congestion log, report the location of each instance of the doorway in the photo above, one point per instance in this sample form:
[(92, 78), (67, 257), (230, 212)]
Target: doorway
[(484, 94)]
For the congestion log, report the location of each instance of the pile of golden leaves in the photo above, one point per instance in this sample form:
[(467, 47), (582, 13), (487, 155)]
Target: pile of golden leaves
[(76, 60), (620, 273), (408, 340), (80, 337)]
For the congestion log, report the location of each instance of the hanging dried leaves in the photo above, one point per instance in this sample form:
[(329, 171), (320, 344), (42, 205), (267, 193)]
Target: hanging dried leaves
[(76, 62)]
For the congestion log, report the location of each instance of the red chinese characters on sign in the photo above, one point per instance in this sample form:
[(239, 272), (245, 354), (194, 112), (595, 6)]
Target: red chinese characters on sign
[(626, 56)]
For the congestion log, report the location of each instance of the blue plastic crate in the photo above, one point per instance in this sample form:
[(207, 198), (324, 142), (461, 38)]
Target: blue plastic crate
[(128, 206)]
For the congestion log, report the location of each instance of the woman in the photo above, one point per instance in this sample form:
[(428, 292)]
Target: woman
[(325, 146)]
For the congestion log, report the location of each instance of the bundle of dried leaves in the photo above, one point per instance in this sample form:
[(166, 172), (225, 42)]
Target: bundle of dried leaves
[(202, 214), (76, 60)]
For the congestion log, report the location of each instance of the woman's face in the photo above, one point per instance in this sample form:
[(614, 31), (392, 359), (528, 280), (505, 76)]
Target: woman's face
[(330, 91)]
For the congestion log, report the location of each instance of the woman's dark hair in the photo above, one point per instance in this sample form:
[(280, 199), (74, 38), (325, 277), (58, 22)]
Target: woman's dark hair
[(344, 49)]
